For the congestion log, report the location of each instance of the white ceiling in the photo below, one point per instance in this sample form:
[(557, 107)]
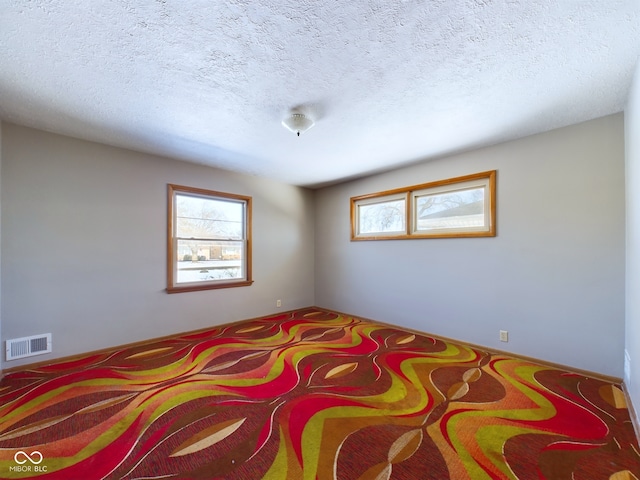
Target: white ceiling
[(388, 82)]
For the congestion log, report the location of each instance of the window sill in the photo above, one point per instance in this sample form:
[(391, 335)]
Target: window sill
[(209, 286)]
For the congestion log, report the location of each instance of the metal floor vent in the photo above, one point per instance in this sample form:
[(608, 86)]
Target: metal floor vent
[(28, 346)]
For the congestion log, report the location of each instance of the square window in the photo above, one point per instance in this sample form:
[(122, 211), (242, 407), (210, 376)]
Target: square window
[(383, 216)]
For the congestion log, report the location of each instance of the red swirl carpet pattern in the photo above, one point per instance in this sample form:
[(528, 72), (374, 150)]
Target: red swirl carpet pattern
[(311, 394)]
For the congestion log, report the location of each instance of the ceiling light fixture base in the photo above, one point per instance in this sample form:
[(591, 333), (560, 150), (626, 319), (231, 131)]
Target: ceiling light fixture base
[(297, 123)]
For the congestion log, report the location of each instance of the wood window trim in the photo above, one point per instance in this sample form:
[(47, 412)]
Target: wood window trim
[(489, 176), (172, 189)]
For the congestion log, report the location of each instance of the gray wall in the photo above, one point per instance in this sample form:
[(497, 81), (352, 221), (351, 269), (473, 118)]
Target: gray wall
[(632, 335), (553, 277), (1, 343), (84, 245), (83, 249)]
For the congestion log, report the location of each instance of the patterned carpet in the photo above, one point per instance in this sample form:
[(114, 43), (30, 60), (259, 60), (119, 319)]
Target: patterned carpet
[(311, 395)]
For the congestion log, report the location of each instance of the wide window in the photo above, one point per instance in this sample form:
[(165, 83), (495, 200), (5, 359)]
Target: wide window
[(456, 207), (209, 240)]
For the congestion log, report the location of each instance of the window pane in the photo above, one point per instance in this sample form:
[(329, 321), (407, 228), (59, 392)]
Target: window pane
[(206, 260), (198, 217), (451, 210), (382, 217), (208, 241)]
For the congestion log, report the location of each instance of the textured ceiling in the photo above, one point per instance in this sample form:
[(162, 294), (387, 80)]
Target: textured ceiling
[(388, 83)]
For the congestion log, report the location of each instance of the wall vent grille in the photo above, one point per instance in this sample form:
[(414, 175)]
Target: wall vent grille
[(28, 346)]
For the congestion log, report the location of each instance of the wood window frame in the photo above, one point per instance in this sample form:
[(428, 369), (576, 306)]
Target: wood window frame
[(172, 240), (486, 180)]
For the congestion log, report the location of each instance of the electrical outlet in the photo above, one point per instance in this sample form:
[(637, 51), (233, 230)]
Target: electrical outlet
[(278, 303), (504, 336)]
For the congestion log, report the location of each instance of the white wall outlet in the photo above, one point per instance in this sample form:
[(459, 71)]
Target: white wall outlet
[(504, 336), (278, 303)]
